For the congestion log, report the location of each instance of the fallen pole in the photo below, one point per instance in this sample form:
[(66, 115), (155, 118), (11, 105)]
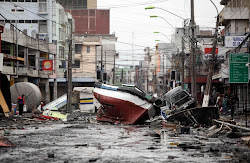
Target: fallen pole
[(229, 124)]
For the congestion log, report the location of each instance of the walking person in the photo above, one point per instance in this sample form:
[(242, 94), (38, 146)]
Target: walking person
[(21, 102), (233, 100), (225, 104), (219, 101)]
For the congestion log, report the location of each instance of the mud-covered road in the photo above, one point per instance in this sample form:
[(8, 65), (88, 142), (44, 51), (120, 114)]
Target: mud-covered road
[(85, 140)]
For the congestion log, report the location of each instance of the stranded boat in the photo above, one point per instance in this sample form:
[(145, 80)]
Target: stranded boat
[(126, 104)]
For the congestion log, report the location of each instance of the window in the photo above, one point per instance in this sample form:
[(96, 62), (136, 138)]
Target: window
[(61, 52), (78, 48), (61, 34), (42, 5), (77, 64), (88, 49), (42, 26), (34, 21), (27, 21), (54, 8), (54, 28), (21, 21), (61, 16)]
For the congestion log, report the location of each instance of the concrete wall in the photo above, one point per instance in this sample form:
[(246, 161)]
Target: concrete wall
[(91, 21)]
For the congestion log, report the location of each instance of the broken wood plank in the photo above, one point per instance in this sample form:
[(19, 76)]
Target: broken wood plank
[(4, 105), (231, 125)]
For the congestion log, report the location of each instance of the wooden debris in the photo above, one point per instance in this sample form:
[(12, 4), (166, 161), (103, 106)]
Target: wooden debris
[(231, 125)]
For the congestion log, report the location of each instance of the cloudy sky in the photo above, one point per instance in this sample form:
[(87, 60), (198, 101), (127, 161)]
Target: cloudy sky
[(134, 28)]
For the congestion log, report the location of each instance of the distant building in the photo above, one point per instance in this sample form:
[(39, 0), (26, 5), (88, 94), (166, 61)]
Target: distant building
[(89, 19)]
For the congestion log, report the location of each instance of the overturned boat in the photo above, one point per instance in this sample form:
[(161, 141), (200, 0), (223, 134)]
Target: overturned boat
[(126, 104)]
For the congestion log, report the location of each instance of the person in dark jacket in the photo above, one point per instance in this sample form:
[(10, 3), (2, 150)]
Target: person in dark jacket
[(20, 102)]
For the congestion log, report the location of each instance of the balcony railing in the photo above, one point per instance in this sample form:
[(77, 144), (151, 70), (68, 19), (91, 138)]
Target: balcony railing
[(231, 13)]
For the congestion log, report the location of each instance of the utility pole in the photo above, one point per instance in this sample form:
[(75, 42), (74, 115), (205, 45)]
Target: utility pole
[(192, 55), (164, 80), (69, 92), (182, 62), (122, 76), (101, 64), (211, 65), (183, 56), (114, 71), (155, 80), (17, 62)]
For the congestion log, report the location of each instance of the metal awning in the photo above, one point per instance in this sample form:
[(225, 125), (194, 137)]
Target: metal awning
[(75, 80)]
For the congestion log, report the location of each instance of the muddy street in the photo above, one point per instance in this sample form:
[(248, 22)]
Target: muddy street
[(86, 140)]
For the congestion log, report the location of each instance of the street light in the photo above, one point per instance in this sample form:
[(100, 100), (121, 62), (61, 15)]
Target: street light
[(154, 16), (152, 7), (163, 35)]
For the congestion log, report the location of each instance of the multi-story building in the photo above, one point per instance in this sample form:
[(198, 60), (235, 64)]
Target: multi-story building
[(166, 52), (23, 64), (235, 17), (34, 17), (92, 51), (62, 35), (46, 21), (94, 45)]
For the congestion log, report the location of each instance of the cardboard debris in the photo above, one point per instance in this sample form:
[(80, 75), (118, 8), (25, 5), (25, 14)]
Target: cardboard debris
[(55, 114)]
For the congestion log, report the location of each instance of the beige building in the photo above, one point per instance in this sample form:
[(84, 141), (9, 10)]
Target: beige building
[(92, 51), (86, 57)]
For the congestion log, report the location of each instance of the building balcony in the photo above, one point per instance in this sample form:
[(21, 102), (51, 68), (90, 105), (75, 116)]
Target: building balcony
[(9, 70), (22, 71), (32, 73), (232, 13), (45, 74)]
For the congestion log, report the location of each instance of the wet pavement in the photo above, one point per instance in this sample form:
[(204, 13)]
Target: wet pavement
[(85, 140)]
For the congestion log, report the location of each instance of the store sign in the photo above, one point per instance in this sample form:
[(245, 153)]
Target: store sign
[(47, 65), (234, 41), (208, 54), (238, 71), (209, 50)]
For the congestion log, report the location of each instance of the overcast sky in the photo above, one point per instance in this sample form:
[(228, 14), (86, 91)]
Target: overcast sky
[(134, 28)]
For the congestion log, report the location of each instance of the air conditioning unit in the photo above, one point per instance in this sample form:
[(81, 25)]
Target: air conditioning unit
[(42, 36), (54, 41)]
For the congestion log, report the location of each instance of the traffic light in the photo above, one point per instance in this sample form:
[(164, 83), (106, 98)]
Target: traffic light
[(172, 75), (65, 73), (98, 74), (104, 76)]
